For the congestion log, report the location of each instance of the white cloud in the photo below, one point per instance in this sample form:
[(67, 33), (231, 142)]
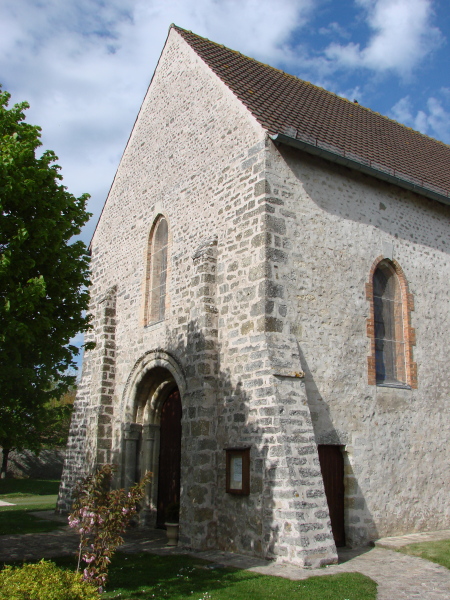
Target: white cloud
[(402, 36), (84, 66), (402, 111), (334, 29), (352, 94), (435, 121)]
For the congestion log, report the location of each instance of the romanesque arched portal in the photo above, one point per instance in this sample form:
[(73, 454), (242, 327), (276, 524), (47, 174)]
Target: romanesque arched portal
[(152, 434)]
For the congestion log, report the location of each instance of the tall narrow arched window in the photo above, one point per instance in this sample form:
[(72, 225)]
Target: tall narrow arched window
[(388, 321), (157, 272), (389, 326)]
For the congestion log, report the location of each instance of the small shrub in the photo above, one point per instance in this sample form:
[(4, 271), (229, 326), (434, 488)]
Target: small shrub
[(44, 581), (100, 516)]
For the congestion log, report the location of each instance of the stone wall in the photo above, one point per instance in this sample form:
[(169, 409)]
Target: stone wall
[(48, 464), (262, 401), (265, 330), (199, 161), (332, 225)]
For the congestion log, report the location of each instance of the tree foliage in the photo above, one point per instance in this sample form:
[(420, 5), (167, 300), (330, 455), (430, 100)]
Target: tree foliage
[(43, 277), (48, 428), (34, 431)]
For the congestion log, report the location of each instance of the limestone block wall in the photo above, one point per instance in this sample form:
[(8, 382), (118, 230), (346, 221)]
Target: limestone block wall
[(198, 159), (262, 402), (90, 436), (190, 133), (332, 224), (48, 464), (265, 329)]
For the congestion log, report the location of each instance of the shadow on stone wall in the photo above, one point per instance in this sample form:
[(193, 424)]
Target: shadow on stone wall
[(386, 214), (360, 527), (252, 401), (217, 415), (285, 515), (48, 464)]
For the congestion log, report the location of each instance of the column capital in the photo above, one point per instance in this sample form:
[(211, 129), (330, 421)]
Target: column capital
[(149, 431), (132, 431)]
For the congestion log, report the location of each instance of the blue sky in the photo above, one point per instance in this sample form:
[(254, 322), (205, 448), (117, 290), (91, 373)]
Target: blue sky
[(84, 65)]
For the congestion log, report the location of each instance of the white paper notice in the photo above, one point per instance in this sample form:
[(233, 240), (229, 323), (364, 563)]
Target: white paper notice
[(236, 473)]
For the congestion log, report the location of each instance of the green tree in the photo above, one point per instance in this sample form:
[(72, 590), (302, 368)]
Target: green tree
[(49, 430), (44, 276)]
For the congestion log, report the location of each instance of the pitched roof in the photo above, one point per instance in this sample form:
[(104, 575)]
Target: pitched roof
[(288, 106)]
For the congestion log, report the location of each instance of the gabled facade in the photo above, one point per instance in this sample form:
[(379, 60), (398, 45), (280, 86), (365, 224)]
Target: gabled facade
[(271, 305)]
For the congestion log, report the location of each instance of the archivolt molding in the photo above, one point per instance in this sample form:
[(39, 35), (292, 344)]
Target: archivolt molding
[(152, 359)]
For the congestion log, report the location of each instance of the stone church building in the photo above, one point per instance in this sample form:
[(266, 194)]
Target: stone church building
[(270, 301)]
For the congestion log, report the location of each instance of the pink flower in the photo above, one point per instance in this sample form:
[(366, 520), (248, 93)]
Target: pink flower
[(73, 522), (88, 559)]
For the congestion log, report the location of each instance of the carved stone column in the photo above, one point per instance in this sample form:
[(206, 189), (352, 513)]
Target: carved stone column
[(149, 462), (132, 433)]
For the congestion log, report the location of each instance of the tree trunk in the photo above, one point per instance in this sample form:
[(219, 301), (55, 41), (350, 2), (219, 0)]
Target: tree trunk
[(4, 463)]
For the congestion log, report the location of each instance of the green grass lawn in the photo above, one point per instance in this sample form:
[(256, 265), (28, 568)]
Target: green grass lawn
[(151, 577), (36, 487), (437, 552), (27, 495)]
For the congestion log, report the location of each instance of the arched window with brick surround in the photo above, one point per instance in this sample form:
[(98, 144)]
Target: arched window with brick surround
[(156, 276), (389, 327)]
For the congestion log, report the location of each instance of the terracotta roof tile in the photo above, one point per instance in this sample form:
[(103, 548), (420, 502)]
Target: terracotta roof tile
[(284, 104)]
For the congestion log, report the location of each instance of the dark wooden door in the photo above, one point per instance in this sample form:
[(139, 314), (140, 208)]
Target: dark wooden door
[(332, 467), (169, 456)]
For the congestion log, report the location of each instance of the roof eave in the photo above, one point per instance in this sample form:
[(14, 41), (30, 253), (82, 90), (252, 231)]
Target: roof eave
[(367, 169)]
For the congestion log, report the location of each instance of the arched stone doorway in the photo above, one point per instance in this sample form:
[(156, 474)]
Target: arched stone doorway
[(152, 439)]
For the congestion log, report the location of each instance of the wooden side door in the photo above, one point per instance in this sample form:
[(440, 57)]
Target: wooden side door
[(332, 466), (169, 456)]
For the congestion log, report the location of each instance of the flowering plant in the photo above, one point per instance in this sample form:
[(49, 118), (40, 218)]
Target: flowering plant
[(100, 515)]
